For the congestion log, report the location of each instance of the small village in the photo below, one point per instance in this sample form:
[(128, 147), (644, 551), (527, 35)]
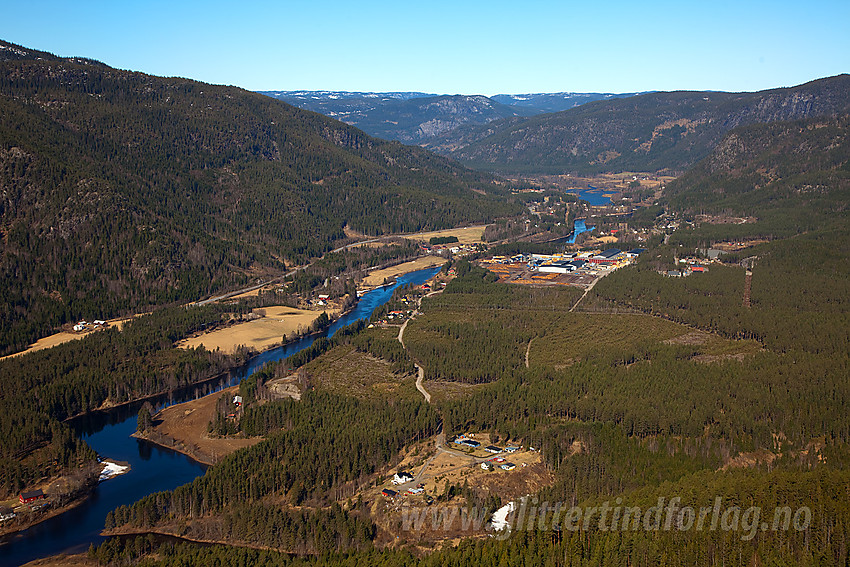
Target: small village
[(470, 459)]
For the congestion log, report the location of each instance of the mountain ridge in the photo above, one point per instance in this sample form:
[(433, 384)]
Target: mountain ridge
[(649, 132), (416, 118)]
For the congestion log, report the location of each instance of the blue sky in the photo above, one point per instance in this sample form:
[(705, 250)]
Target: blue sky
[(469, 47)]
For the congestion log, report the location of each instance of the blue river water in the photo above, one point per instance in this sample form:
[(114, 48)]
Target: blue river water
[(152, 468), (578, 228), (593, 196)]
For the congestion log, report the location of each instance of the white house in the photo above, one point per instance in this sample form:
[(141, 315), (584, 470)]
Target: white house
[(402, 477)]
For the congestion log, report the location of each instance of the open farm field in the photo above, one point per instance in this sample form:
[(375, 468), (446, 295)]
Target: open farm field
[(378, 277), (260, 334)]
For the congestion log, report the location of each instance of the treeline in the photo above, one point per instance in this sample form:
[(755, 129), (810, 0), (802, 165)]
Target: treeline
[(621, 421), (512, 248), (491, 344), (302, 531), (377, 342), (383, 343), (478, 331), (323, 344), (791, 176), (41, 389)]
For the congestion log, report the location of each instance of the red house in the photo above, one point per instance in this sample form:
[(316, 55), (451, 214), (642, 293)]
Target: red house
[(31, 496)]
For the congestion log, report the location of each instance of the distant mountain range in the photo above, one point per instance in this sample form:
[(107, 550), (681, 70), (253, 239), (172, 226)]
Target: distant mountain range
[(650, 132), (416, 118), (573, 132)]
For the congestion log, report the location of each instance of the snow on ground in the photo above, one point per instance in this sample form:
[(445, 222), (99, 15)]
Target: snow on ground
[(111, 469), (499, 521)]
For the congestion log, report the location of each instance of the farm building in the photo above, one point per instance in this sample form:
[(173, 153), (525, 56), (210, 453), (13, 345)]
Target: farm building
[(31, 496), (389, 493), (492, 449)]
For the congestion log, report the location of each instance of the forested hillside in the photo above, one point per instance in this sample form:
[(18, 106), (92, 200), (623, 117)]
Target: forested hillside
[(120, 190), (657, 131), (788, 178)]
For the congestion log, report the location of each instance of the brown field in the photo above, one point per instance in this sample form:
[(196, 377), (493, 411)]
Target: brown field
[(261, 334), (457, 465), (591, 242), (186, 424), (247, 294), (466, 235), (379, 276), (67, 336)]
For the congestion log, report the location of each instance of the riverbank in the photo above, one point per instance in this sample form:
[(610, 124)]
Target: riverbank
[(62, 494), (378, 277), (155, 469), (183, 428), (163, 533)]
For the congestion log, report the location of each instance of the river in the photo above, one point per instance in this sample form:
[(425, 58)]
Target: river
[(595, 196), (152, 468), (579, 227)]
